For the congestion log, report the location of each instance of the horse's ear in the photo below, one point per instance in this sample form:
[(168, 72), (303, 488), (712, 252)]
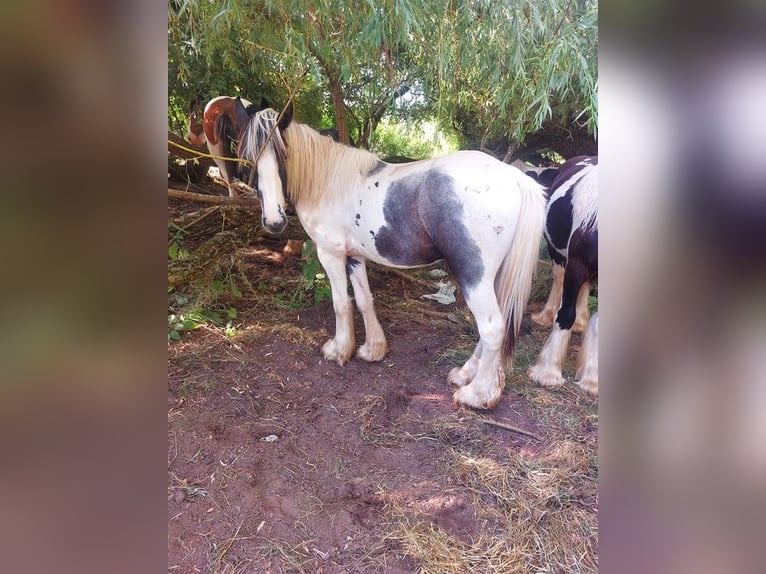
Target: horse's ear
[(264, 103), (287, 116)]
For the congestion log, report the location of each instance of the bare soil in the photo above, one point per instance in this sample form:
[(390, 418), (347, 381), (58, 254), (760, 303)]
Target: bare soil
[(279, 461)]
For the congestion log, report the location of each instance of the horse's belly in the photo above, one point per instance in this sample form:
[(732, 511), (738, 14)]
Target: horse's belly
[(387, 246)]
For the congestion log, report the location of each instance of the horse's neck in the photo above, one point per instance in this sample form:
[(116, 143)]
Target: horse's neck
[(320, 169)]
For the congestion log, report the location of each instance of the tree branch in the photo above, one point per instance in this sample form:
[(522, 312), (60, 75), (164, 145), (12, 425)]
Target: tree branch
[(217, 199)]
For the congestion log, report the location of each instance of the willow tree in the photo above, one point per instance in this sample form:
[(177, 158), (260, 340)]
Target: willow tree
[(503, 73), (351, 51), (507, 72)]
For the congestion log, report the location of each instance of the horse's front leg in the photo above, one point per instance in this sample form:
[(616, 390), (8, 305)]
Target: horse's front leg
[(341, 346), (375, 346)]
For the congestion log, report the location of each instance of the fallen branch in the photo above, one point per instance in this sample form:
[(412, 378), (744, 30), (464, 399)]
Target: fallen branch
[(452, 317), (217, 199), (427, 284), (507, 427)]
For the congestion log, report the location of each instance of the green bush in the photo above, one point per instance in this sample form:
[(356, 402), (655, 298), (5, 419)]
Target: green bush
[(416, 140)]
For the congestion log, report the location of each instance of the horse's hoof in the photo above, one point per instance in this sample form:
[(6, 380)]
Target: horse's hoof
[(579, 326), (455, 379), (333, 352), (588, 385), (543, 319), (545, 376), (467, 397), (372, 354)]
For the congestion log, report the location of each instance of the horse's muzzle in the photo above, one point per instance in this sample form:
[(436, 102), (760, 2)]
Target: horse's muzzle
[(275, 227)]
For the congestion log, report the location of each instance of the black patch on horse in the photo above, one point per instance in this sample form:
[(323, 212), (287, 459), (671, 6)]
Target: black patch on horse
[(424, 223), (351, 264), (545, 177), (378, 166), (581, 267), (558, 223)]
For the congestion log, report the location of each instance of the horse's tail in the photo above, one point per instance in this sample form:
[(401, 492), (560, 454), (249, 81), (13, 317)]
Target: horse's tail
[(514, 279), (226, 132)]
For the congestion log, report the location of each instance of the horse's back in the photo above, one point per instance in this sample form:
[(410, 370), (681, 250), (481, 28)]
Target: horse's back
[(573, 203), (220, 105), (463, 207)]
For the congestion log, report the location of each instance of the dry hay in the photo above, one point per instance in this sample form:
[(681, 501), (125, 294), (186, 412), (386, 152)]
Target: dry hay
[(539, 513), (438, 552)]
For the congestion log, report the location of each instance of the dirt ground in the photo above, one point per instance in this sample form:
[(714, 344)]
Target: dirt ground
[(279, 461)]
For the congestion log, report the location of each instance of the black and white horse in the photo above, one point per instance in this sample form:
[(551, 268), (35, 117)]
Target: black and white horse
[(484, 217), (542, 175), (571, 232)]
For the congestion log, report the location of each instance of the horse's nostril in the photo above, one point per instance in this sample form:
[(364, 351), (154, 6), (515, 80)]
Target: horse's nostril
[(278, 227)]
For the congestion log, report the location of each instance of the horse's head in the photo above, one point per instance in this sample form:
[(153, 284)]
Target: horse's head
[(263, 144)]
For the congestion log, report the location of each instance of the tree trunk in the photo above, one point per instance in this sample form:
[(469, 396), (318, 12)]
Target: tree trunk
[(339, 107)]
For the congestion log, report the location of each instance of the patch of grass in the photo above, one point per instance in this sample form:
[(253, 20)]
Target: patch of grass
[(541, 285), (457, 428), (438, 552), (295, 558), (192, 385), (453, 356), (370, 430), (546, 500)]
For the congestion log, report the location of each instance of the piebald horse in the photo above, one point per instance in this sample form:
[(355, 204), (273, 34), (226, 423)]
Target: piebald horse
[(484, 217), (571, 232), (223, 121)]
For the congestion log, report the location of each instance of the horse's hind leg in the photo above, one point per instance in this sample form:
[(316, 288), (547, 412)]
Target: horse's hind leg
[(375, 346), (462, 376), (486, 387), (545, 317), (586, 375), (583, 313)]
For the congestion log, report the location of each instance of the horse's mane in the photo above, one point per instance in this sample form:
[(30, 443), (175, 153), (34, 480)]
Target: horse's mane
[(317, 167)]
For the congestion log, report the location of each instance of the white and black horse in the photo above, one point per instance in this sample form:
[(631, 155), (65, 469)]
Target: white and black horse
[(571, 232), (484, 217)]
